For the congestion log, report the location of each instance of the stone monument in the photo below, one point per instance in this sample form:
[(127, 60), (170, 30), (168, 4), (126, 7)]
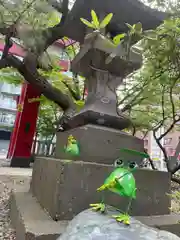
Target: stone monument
[(100, 122), (60, 189)]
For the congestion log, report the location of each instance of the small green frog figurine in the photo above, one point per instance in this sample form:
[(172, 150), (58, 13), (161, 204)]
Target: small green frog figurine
[(72, 146), (122, 182)]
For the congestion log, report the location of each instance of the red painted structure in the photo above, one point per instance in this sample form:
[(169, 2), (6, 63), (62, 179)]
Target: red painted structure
[(24, 128), (25, 124)]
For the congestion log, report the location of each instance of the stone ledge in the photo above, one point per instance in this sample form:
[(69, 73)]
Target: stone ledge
[(168, 223), (65, 188), (103, 146), (30, 221)]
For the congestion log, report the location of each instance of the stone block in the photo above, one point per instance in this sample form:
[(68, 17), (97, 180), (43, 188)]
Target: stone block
[(90, 225), (99, 144), (170, 223), (65, 188), (30, 221)]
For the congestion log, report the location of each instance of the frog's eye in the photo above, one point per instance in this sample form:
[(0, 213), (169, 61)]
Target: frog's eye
[(118, 163), (132, 165)]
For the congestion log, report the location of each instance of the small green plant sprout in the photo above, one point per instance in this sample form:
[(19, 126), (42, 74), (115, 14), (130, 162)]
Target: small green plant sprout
[(95, 23), (135, 28), (118, 38), (124, 41)]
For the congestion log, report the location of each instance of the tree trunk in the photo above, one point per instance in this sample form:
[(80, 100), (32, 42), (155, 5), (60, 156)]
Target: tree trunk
[(32, 76)]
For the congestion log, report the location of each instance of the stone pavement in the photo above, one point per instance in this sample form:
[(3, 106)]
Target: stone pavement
[(15, 171), (17, 179)]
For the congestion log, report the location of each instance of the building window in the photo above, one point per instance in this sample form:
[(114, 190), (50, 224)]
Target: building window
[(167, 141), (10, 88), (7, 118), (7, 101)]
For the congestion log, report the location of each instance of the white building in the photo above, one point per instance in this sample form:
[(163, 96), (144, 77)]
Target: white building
[(8, 102)]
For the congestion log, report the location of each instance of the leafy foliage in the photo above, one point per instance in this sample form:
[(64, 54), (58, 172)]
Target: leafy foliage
[(95, 23), (154, 89), (172, 6), (151, 95), (175, 196), (10, 76), (31, 18), (49, 115)]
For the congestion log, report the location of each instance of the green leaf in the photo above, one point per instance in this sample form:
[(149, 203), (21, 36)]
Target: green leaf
[(134, 152), (54, 19), (87, 23), (129, 26), (95, 20), (79, 104), (117, 39), (138, 27), (106, 21)]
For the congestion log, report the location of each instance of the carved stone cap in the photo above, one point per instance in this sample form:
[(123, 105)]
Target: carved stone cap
[(96, 50)]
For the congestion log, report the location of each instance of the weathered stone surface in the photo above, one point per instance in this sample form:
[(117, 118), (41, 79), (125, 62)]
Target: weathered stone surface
[(99, 144), (66, 188), (30, 221), (170, 222), (132, 11), (90, 225)]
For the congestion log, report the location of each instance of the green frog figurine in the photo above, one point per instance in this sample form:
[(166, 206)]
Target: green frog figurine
[(72, 146), (122, 182)]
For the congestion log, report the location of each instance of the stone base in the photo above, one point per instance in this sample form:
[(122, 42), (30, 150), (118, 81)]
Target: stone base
[(65, 188), (99, 144), (168, 223), (21, 162), (30, 221), (97, 117)]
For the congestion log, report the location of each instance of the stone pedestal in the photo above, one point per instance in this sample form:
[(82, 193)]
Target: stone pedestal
[(65, 188), (99, 144)]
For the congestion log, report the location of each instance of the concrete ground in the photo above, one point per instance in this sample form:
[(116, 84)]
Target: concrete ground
[(19, 172), (10, 178)]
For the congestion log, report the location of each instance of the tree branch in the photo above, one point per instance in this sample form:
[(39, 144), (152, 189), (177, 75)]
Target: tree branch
[(162, 102), (175, 169), (32, 76), (145, 134), (8, 42), (176, 180), (56, 5), (152, 164), (135, 89), (172, 102), (53, 34), (50, 35), (133, 103), (74, 94), (163, 150), (3, 63), (169, 129)]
